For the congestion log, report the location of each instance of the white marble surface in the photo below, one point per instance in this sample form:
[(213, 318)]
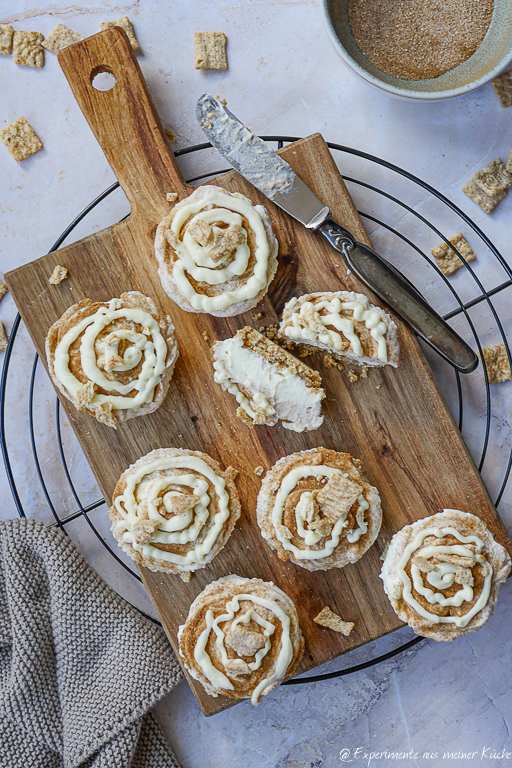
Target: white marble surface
[(284, 77)]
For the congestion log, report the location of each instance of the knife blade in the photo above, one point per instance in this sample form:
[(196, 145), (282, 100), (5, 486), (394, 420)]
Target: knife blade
[(275, 178)]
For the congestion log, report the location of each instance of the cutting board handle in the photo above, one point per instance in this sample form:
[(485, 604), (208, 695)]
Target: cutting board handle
[(123, 119)]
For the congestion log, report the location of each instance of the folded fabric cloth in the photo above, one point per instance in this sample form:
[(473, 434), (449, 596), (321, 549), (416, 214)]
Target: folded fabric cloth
[(79, 668)]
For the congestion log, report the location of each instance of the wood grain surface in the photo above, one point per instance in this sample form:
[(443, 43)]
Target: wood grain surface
[(396, 421)]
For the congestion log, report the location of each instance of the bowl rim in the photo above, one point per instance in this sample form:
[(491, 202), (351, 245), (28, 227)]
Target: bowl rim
[(407, 93)]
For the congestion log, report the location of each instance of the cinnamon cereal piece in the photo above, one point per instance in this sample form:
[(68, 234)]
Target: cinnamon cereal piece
[(446, 557), (259, 471), (3, 290), (85, 395), (322, 526), (60, 38), (284, 532), (494, 178), (331, 620), (103, 413), (171, 197), (210, 50), (509, 162), (352, 375), (20, 139), (497, 364), (464, 576), (144, 530), (185, 575), (58, 275), (201, 232), (205, 336), (338, 496), (3, 338), (331, 362), (446, 257), (125, 23), (503, 87), (425, 565), (6, 35), (486, 202), (226, 242), (27, 48), (183, 502)]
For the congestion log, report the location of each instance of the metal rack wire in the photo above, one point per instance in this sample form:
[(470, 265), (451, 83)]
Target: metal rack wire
[(462, 309)]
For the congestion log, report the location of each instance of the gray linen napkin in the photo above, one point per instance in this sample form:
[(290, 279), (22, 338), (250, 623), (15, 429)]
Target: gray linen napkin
[(79, 668)]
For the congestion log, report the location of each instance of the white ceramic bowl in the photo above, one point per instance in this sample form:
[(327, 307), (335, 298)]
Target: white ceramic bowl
[(491, 58)]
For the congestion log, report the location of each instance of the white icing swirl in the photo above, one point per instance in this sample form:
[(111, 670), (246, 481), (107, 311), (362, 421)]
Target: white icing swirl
[(344, 325), (310, 537), (216, 677), (444, 576), (178, 529), (194, 259), (151, 346)]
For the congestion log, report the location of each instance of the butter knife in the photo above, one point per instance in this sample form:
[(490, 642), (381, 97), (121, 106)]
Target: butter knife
[(272, 175)]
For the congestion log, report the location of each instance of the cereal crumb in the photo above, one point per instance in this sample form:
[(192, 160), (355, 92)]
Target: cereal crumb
[(58, 275), (171, 197), (28, 50), (170, 135), (3, 338), (60, 38), (104, 413), (205, 336), (364, 372), (497, 364), (304, 351), (331, 620), (258, 316), (331, 362), (3, 290), (352, 375), (446, 257), (125, 23), (503, 87), (6, 35), (509, 162), (259, 471), (378, 386), (20, 139), (210, 50)]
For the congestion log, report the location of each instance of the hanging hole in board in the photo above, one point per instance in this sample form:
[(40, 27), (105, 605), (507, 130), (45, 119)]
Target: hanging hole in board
[(102, 80)]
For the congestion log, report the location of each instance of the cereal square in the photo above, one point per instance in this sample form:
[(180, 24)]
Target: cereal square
[(171, 197), (20, 139), (331, 620), (3, 338), (28, 50), (497, 364), (125, 24), (486, 202), (6, 35), (493, 178), (60, 38), (58, 275), (446, 257), (503, 87), (210, 50)]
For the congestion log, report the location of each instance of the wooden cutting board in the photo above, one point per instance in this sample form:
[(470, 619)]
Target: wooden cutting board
[(396, 421)]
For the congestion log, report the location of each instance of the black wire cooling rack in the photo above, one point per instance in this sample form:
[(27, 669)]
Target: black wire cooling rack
[(461, 309)]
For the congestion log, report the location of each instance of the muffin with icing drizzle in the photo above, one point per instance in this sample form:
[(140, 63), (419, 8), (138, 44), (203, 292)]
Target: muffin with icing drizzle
[(342, 323), (316, 509), (113, 359), (241, 638), (174, 510), (216, 252), (443, 574)]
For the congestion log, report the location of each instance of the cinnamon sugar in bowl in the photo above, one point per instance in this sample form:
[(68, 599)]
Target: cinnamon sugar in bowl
[(409, 49)]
